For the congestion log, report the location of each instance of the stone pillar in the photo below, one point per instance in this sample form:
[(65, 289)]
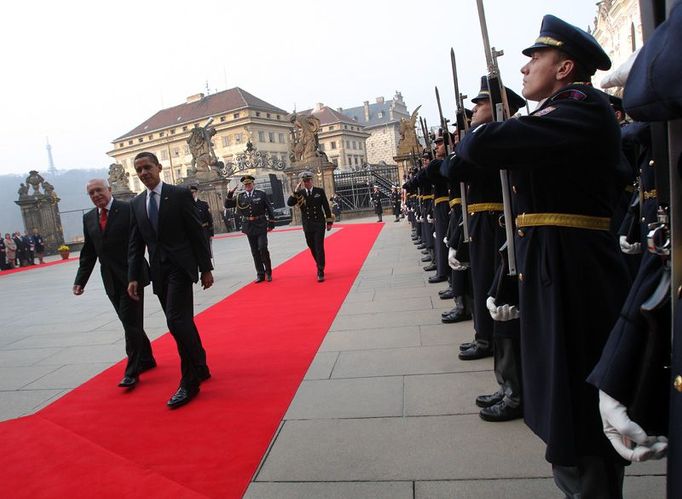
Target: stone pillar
[(41, 211), (405, 164), (323, 170), (212, 189)]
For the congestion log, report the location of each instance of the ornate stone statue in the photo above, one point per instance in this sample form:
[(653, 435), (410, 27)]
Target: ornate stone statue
[(201, 147), (304, 140), (34, 179), (118, 178), (49, 189), (408, 136), (23, 191)]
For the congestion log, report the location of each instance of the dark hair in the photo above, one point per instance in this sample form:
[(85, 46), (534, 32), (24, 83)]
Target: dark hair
[(147, 154)]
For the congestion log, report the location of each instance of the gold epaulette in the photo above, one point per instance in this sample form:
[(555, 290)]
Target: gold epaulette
[(427, 196), (455, 202), (478, 207), (563, 220), (441, 199)]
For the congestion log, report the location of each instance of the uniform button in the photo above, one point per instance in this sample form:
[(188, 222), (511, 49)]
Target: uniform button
[(678, 383), (514, 189), (521, 277), (520, 233)]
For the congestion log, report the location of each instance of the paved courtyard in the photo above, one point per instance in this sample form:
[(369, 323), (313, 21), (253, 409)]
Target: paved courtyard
[(385, 411)]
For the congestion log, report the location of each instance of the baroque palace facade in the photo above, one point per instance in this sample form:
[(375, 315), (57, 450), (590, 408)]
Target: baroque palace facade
[(238, 117)]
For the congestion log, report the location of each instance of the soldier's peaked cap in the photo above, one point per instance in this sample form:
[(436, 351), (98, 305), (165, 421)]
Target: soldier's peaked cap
[(247, 179), (558, 34), (305, 175), (516, 102)]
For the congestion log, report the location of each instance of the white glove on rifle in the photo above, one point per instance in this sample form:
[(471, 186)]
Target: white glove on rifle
[(434, 235), (502, 313), (453, 262), (629, 249), (623, 433), (445, 241), (429, 219), (420, 219)]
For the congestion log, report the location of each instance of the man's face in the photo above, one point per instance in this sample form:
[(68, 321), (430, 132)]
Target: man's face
[(35, 232), (100, 194), (440, 149), (308, 183), (148, 172), (540, 75), (248, 187), (483, 113), (195, 194)]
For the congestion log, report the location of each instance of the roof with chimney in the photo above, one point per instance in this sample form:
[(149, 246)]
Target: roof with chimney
[(379, 113), (202, 106)]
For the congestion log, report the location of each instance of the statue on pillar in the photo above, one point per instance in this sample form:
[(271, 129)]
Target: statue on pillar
[(304, 141), (408, 135), (34, 179), (23, 191), (201, 147)]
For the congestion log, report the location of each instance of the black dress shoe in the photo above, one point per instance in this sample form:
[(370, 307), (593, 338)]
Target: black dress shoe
[(446, 290), (501, 412), (182, 396), (320, 276), (427, 258), (421, 246), (447, 295), (259, 278), (128, 382), (431, 267), (437, 278), (147, 366), (268, 276), (489, 400), (475, 352), (203, 373), (467, 345), (426, 251), (448, 312), (456, 316)]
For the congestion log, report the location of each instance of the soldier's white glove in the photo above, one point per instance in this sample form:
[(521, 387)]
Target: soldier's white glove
[(445, 241), (502, 313), (420, 219), (623, 433), (628, 248), (434, 234), (429, 219), (453, 262)]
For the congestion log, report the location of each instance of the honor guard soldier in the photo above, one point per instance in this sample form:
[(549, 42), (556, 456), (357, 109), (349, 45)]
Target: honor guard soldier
[(258, 218), (316, 216), (563, 161), (440, 208), (375, 197), (205, 216), (396, 201)]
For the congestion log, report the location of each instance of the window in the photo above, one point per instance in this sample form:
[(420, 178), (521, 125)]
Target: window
[(121, 144), (345, 127), (268, 115), (140, 139), (166, 176), (226, 141), (281, 138), (356, 160), (278, 116), (172, 132), (257, 114), (331, 128), (271, 136), (184, 128), (360, 145), (335, 161), (178, 172), (348, 144), (261, 136), (333, 144), (381, 114), (163, 155), (355, 145), (162, 134), (176, 152), (350, 160), (186, 149), (237, 138), (151, 137), (130, 142), (222, 118), (235, 115), (321, 146)]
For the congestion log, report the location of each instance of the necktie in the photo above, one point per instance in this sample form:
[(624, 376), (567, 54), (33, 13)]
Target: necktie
[(308, 191), (153, 211), (102, 219)]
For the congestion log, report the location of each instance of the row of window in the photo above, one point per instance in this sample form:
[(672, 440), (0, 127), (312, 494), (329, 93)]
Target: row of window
[(271, 137), (350, 144), (184, 128), (345, 127)]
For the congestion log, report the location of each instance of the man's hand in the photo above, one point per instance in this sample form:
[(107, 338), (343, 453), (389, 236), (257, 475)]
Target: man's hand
[(629, 248), (329, 226), (132, 291), (429, 219), (626, 436), (298, 186), (78, 289), (501, 313), (453, 262), (206, 279)]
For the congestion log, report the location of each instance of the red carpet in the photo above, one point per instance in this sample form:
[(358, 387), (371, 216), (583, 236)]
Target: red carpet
[(35, 267), (99, 441)]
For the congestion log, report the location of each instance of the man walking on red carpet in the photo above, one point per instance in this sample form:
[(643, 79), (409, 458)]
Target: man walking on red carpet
[(165, 221), (315, 215), (106, 231)]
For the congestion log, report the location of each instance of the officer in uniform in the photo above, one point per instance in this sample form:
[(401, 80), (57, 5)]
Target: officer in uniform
[(396, 201), (375, 197), (440, 209), (258, 218), (315, 216), (564, 161), (205, 216)]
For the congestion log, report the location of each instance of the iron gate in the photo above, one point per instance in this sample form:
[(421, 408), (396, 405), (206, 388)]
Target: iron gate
[(353, 189)]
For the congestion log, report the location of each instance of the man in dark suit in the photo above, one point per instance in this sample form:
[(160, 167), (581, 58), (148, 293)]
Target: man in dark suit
[(106, 229), (315, 215), (258, 218), (164, 220)]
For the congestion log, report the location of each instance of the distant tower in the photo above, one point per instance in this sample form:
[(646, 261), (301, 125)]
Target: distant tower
[(50, 167)]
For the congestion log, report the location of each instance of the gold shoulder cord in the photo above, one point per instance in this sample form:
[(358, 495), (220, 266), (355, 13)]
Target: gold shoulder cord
[(239, 206)]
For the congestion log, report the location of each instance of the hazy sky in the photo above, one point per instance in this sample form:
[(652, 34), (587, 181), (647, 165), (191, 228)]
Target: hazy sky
[(84, 73)]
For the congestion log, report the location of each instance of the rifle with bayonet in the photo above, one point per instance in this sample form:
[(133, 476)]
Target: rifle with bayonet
[(500, 108), (462, 128)]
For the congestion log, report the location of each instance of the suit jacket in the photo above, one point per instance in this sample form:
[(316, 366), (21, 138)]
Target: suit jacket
[(180, 242), (315, 211), (111, 247)]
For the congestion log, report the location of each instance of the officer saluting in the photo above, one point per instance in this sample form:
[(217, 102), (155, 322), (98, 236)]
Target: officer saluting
[(563, 161), (316, 216), (258, 218)]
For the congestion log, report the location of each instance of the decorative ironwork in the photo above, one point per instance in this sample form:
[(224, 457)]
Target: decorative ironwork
[(251, 158), (353, 189)]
